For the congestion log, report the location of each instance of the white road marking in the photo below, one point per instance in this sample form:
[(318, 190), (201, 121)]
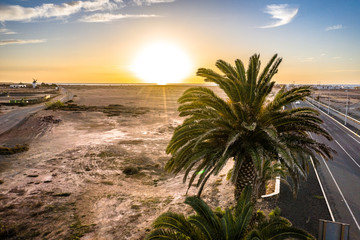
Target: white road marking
[(342, 195), (347, 154), (321, 187), (336, 184), (322, 190), (353, 138)]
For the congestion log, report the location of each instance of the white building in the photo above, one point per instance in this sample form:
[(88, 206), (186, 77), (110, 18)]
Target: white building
[(18, 86)]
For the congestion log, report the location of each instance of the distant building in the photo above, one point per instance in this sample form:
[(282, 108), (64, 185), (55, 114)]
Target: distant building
[(333, 87), (18, 86)]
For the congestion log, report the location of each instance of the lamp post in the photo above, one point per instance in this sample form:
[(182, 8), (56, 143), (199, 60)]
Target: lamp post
[(347, 105), (328, 102)]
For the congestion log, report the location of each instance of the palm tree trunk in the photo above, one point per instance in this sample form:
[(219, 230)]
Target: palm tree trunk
[(246, 176), (259, 188)]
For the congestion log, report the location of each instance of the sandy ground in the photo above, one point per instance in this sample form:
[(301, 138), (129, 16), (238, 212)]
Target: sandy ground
[(96, 176)]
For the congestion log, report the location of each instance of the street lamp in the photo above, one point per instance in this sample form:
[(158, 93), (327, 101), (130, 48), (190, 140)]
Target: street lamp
[(328, 102), (347, 105)]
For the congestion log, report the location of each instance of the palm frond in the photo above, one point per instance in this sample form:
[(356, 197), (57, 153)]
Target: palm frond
[(247, 126), (206, 220)]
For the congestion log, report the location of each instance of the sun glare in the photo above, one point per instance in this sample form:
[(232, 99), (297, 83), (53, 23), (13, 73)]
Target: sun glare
[(161, 63)]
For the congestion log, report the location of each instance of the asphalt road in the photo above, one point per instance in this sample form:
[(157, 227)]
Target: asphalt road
[(16, 117), (340, 177)]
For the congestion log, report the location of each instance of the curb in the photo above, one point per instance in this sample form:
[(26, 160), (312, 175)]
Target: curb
[(276, 191)]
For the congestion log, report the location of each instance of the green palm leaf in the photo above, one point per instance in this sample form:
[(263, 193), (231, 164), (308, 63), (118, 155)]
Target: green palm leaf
[(232, 224), (248, 126)]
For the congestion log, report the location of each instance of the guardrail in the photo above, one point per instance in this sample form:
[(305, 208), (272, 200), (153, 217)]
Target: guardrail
[(345, 120), (332, 109)]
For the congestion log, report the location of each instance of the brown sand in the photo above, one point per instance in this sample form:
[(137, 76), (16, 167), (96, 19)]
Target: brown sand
[(71, 182)]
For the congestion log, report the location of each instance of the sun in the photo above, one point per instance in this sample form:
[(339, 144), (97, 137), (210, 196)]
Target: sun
[(161, 63)]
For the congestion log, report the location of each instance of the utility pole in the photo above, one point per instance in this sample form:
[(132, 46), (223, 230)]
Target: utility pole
[(319, 95), (347, 105), (328, 102)]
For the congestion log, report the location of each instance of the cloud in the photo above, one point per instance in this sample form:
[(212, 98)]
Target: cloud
[(108, 17), (6, 31), (345, 70), (48, 10), (308, 59), (334, 27), (159, 1), (318, 58), (149, 2), (20, 41), (282, 13)]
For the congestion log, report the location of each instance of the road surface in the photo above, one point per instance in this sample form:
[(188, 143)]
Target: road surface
[(13, 118), (340, 177)]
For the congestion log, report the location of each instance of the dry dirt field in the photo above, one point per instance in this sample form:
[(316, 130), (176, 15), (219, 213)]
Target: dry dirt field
[(92, 173)]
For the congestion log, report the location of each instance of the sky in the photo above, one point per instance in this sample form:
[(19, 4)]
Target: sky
[(96, 41)]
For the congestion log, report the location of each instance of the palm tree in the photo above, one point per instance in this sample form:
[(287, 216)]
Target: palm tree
[(247, 126), (224, 225)]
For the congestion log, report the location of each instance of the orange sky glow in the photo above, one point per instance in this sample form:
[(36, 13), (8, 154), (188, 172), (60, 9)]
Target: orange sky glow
[(98, 41)]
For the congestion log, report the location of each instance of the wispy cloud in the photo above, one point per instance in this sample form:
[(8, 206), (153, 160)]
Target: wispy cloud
[(308, 59), (49, 10), (6, 31), (345, 70), (108, 17), (149, 2), (282, 13), (334, 27), (317, 58), (20, 41)]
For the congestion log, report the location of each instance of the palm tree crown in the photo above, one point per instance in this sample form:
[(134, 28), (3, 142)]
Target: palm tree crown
[(228, 225), (248, 127)]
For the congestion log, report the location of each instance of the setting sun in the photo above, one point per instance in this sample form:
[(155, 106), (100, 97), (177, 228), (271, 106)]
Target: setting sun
[(161, 63)]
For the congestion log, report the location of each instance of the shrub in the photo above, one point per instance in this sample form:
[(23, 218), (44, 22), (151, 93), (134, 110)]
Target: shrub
[(130, 170), (54, 105), (12, 150)]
